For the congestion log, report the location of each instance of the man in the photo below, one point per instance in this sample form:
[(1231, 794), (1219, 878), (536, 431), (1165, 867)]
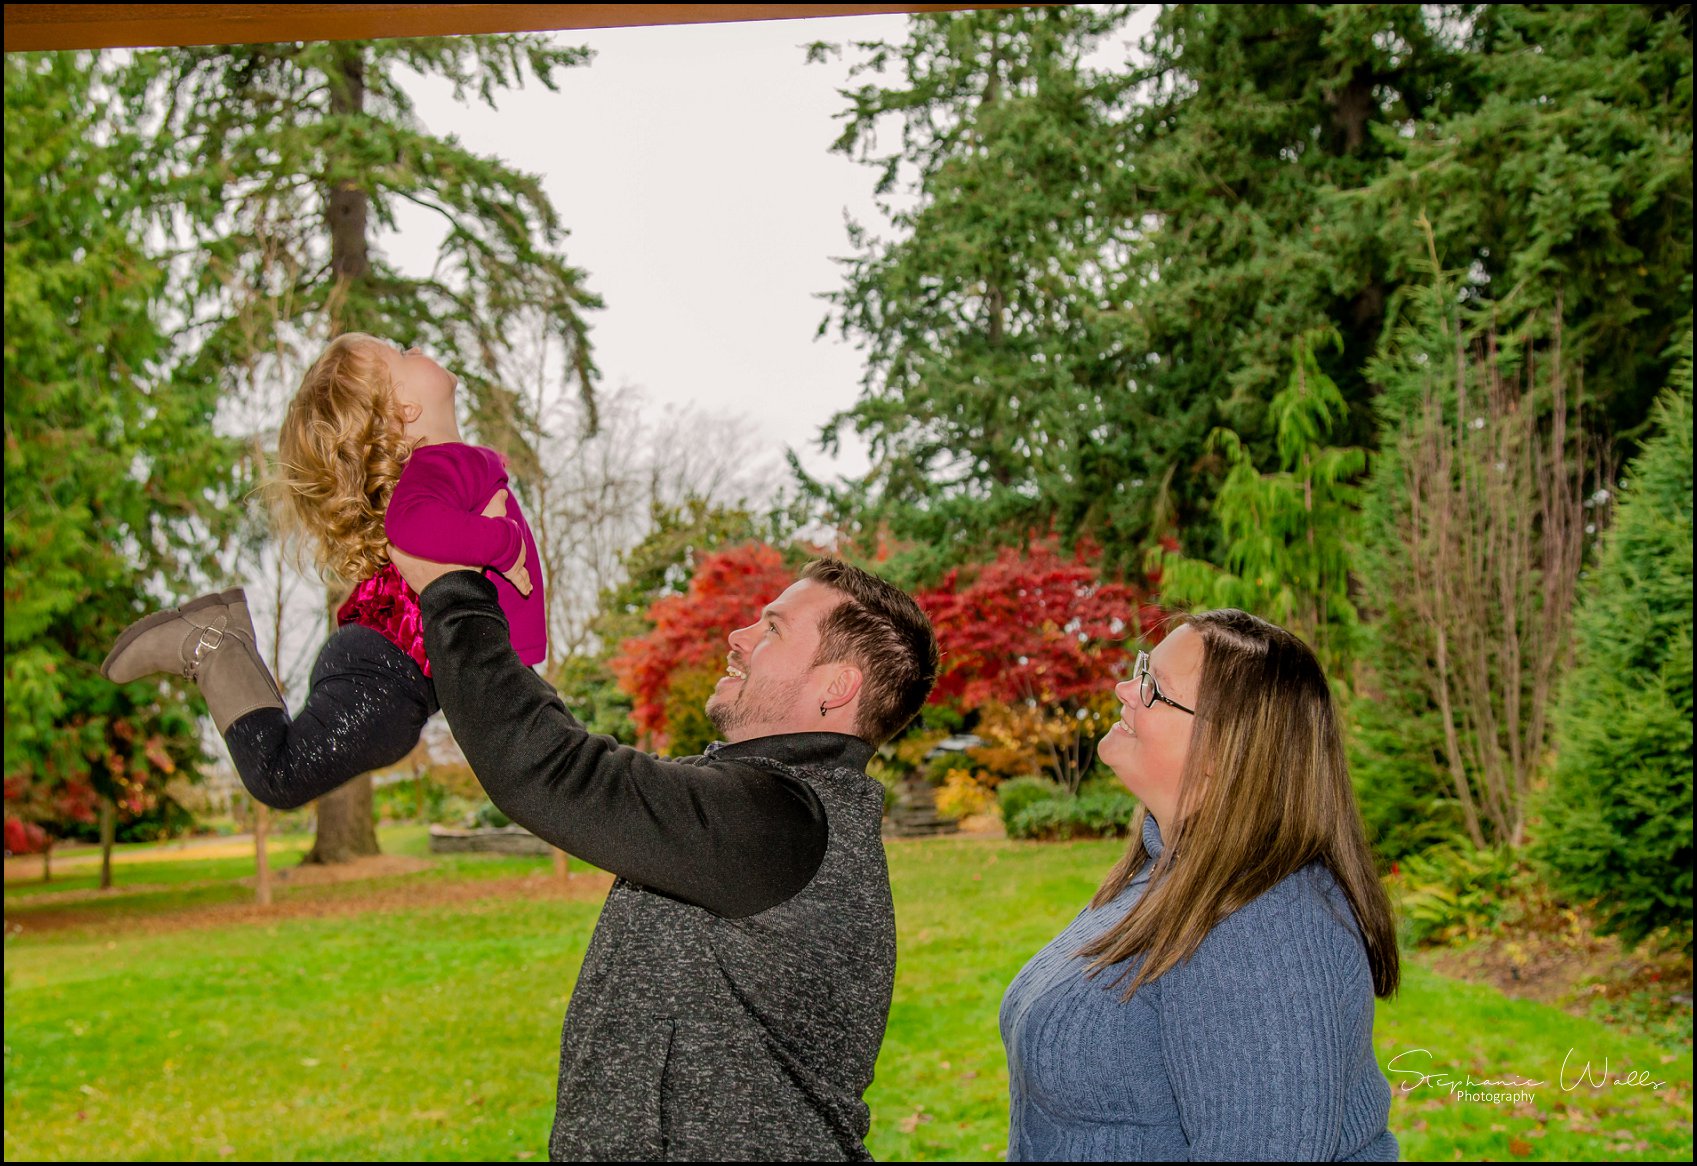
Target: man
[(734, 995)]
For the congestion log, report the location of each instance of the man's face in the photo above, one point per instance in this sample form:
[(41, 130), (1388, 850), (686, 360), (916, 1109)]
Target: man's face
[(770, 685)]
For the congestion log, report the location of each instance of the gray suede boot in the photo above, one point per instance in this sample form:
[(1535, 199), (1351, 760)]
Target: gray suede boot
[(210, 640)]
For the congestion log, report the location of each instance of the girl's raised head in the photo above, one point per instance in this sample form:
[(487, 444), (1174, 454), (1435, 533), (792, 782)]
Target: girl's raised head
[(340, 451)]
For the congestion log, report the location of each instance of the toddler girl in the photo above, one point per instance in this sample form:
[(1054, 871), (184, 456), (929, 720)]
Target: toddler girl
[(370, 453)]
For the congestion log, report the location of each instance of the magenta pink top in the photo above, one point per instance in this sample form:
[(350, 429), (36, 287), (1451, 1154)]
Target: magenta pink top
[(436, 512)]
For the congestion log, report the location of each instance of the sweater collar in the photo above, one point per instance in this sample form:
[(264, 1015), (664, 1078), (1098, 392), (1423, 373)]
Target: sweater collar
[(809, 750), (1152, 836)]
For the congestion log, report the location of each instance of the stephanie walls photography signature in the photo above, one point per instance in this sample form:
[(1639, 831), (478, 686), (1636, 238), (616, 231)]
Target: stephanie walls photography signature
[(1414, 1067)]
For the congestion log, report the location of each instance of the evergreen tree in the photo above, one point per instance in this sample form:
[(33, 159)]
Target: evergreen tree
[(283, 160), (1563, 188), (1150, 276), (1249, 121), (115, 486), (1286, 533), (992, 363), (1559, 188), (1053, 334), (1618, 812)]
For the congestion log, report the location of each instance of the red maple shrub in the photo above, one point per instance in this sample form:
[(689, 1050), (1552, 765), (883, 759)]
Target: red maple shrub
[(24, 837), (1040, 631), (1034, 625)]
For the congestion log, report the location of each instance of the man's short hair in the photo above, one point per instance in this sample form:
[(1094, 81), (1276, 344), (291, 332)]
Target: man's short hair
[(881, 630)]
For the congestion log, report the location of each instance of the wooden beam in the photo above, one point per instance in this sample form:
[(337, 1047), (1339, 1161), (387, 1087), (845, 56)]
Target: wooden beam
[(34, 27)]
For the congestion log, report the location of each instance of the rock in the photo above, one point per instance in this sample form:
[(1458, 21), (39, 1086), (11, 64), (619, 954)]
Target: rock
[(488, 840)]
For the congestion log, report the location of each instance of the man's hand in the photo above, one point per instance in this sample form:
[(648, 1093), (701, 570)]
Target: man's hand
[(421, 573), (516, 574)]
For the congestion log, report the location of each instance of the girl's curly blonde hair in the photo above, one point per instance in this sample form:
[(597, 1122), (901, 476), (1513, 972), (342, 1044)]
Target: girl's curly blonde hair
[(340, 451)]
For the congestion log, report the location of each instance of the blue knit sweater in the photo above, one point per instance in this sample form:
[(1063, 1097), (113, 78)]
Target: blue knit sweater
[(1259, 1047)]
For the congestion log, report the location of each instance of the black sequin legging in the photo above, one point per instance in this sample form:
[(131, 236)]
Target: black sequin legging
[(365, 709)]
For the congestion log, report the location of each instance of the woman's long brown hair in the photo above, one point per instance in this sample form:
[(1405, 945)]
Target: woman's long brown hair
[(1264, 792)]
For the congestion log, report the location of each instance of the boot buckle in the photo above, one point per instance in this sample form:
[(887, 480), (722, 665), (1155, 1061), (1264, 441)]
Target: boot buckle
[(210, 637)]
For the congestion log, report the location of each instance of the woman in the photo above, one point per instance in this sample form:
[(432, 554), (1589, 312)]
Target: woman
[(1215, 999)]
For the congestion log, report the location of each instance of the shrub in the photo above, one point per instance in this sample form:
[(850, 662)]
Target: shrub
[(1618, 810), (24, 837), (163, 817), (1102, 780), (1395, 743), (1449, 895), (1016, 793), (886, 775), (964, 793), (1087, 816), (414, 799), (941, 768), (489, 814), (688, 729)]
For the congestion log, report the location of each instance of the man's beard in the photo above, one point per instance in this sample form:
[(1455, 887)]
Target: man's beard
[(756, 703)]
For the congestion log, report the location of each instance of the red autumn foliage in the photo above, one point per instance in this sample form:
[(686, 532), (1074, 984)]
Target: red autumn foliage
[(1034, 624), (727, 592), (24, 837)]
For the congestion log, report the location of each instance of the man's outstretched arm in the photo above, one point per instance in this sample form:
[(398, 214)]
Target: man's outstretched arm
[(735, 839)]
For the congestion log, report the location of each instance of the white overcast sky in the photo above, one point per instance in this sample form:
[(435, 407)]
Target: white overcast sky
[(691, 165)]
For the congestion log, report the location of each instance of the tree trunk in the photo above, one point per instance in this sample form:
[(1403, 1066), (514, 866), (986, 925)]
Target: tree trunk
[(345, 830), (562, 865), (261, 858), (47, 862), (108, 832), (345, 827), (347, 204), (1352, 107)]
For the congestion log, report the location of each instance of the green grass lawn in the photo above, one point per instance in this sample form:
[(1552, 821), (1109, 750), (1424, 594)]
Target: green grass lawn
[(433, 1032)]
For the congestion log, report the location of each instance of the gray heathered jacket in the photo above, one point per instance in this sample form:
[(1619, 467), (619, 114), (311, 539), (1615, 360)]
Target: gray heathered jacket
[(694, 1036), (734, 996)]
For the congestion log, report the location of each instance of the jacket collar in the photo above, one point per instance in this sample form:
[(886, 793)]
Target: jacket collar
[(800, 750)]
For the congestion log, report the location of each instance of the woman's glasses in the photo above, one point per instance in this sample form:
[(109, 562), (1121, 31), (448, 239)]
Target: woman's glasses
[(1149, 690)]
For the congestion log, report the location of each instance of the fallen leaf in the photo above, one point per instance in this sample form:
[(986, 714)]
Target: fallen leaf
[(1519, 1147), (914, 1121)]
